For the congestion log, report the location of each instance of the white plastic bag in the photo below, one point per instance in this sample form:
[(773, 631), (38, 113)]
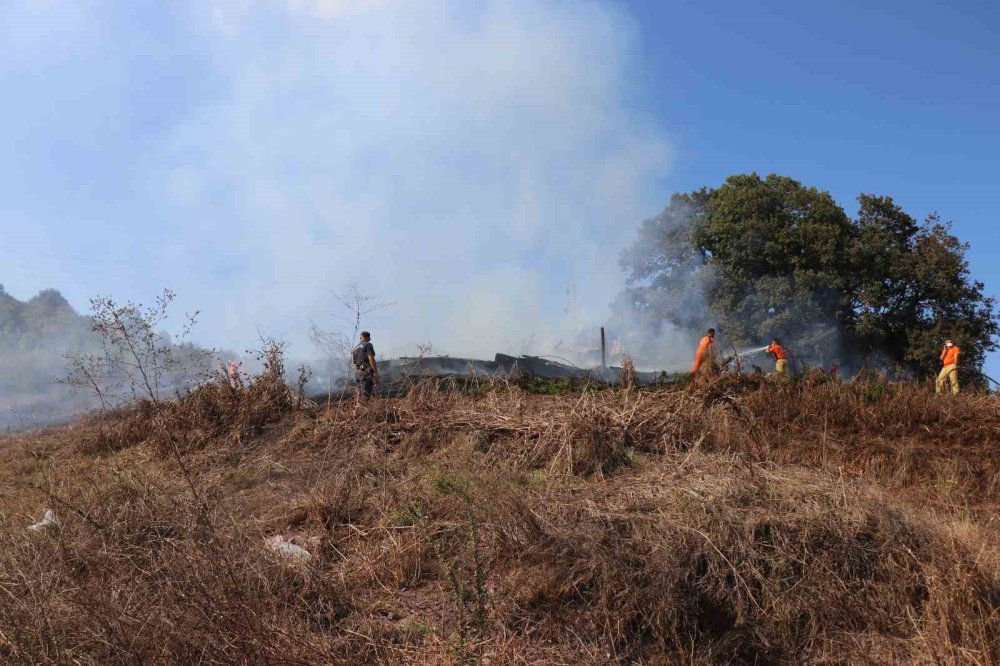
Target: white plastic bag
[(47, 520), (287, 549)]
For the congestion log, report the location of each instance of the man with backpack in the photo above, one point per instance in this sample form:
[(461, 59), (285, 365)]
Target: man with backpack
[(365, 368)]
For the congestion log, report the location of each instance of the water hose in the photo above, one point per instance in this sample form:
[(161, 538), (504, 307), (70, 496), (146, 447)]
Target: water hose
[(990, 378)]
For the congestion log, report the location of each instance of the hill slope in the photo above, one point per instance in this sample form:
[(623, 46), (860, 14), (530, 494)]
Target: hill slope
[(505, 527)]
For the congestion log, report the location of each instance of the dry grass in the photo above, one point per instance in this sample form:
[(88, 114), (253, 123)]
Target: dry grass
[(737, 521)]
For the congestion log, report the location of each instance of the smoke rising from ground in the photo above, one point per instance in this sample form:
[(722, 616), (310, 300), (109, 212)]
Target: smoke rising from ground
[(473, 162), (469, 161), (480, 164)]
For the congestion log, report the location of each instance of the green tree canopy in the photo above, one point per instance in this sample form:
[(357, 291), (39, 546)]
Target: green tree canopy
[(762, 258)]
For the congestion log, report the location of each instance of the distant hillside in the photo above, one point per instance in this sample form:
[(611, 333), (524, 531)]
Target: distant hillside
[(35, 335)]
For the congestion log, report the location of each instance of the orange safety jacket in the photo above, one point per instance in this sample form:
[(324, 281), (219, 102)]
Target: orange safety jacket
[(699, 356), (949, 355), (778, 351)]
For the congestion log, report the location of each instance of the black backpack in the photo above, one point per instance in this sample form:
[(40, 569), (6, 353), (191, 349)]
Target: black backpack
[(358, 355)]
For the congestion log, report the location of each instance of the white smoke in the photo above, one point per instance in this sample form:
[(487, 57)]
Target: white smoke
[(471, 161), (466, 160)]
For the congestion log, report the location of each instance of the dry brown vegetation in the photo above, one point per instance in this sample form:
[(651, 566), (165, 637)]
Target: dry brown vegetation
[(739, 521)]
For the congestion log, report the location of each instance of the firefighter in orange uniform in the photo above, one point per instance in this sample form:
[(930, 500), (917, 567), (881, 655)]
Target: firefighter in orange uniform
[(949, 367), (705, 361), (780, 355)]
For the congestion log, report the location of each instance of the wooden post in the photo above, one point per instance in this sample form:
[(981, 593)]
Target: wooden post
[(604, 358)]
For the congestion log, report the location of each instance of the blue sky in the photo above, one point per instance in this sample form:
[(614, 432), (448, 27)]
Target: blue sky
[(472, 161)]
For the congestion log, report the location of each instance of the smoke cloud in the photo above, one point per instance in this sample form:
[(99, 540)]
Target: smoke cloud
[(481, 164), (469, 161)]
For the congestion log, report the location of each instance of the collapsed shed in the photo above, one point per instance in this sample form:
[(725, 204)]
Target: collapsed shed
[(503, 365)]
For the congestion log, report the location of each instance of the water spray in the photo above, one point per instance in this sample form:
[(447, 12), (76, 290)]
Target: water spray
[(738, 355), (750, 350)]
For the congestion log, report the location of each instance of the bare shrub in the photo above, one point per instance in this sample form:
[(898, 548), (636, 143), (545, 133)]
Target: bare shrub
[(138, 359)]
